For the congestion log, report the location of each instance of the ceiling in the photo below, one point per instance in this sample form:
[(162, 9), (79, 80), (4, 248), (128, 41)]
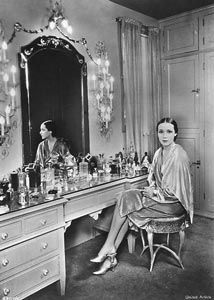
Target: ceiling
[(160, 9)]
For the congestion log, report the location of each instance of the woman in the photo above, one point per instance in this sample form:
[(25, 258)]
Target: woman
[(169, 194), (51, 149)]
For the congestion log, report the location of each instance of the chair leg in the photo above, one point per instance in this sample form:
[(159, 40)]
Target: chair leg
[(131, 242), (182, 237), (150, 242), (167, 240), (143, 242)]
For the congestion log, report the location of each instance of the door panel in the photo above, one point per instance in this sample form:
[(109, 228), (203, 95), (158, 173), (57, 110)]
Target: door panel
[(208, 82), (180, 81), (207, 30), (190, 143), (180, 36), (181, 90)]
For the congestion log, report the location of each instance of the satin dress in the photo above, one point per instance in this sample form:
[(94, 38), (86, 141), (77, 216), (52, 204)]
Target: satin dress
[(44, 155), (171, 179)]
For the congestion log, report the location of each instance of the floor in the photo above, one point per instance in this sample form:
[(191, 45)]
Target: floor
[(132, 280)]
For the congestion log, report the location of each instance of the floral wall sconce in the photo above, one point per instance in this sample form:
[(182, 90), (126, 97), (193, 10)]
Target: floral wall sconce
[(8, 85), (103, 90)]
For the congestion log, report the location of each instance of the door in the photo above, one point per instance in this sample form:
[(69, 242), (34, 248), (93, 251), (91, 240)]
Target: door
[(181, 100), (208, 171)]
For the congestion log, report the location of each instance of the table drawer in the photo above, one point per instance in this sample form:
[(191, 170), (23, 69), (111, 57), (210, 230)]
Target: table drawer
[(111, 193), (9, 232), (24, 282), (39, 221), (28, 251)]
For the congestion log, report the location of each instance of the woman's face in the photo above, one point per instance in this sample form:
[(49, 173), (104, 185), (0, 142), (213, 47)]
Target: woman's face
[(44, 132), (166, 134)]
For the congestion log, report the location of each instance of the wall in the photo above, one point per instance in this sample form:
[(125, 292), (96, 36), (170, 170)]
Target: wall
[(92, 19)]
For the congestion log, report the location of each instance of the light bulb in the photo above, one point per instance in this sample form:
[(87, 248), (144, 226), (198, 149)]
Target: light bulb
[(94, 77), (7, 109), (4, 45), (13, 69), (12, 92), (5, 77), (52, 25), (2, 120), (69, 29), (64, 23), (107, 63)]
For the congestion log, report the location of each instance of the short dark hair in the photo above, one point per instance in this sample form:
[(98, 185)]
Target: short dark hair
[(171, 121), (51, 126)]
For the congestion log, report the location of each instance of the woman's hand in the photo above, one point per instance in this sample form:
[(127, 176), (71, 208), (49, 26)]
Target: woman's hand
[(148, 191)]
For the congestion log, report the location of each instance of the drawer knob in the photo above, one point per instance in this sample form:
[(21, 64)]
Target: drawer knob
[(45, 272), (6, 291), (44, 222), (45, 245), (5, 262), (4, 235)]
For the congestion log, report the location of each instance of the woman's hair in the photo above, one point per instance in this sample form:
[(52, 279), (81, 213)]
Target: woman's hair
[(51, 126), (171, 121)]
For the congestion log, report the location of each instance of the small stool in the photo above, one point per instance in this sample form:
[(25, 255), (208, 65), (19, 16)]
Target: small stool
[(164, 226)]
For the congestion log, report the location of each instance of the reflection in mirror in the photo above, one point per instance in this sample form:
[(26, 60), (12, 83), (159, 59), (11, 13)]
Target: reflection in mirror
[(53, 78)]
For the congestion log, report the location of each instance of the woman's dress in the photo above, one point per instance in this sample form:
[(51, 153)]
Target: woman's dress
[(44, 155), (171, 180)]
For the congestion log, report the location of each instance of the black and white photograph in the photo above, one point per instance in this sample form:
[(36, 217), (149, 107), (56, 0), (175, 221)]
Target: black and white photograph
[(106, 149)]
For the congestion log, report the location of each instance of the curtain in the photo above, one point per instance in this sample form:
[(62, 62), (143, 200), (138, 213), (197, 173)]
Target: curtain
[(155, 84), (139, 107)]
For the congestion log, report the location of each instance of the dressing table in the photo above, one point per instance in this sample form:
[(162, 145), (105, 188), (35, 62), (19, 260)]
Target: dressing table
[(32, 251)]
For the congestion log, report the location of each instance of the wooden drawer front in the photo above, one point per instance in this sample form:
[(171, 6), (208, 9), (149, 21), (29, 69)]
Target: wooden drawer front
[(10, 231), (84, 205), (33, 277), (28, 251), (111, 193), (40, 221), (139, 185)]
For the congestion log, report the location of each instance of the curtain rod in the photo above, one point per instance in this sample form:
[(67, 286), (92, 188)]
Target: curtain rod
[(144, 28)]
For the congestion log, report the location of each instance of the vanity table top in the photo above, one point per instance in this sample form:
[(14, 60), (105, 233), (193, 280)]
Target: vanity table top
[(71, 188)]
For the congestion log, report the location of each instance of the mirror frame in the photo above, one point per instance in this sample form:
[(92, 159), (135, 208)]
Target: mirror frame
[(26, 53)]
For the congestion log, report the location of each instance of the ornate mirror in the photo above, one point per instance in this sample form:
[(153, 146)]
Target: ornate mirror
[(53, 86)]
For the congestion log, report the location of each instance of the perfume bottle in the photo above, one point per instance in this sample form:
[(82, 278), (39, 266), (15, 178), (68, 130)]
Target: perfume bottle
[(22, 189), (83, 168), (50, 176)]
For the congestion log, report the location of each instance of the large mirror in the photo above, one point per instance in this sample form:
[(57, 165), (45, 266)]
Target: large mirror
[(53, 86)]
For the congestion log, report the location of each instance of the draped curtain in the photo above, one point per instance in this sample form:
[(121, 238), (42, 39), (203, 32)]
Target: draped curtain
[(140, 94)]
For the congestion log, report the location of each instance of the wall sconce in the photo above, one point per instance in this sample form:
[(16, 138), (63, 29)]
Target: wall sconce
[(103, 89), (7, 96), (57, 17)]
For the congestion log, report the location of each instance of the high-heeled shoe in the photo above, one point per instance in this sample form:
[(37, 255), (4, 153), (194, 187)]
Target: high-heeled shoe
[(99, 259), (109, 264)]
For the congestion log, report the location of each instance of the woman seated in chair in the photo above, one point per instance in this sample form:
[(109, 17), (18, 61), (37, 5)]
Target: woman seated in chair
[(52, 149), (169, 194)]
